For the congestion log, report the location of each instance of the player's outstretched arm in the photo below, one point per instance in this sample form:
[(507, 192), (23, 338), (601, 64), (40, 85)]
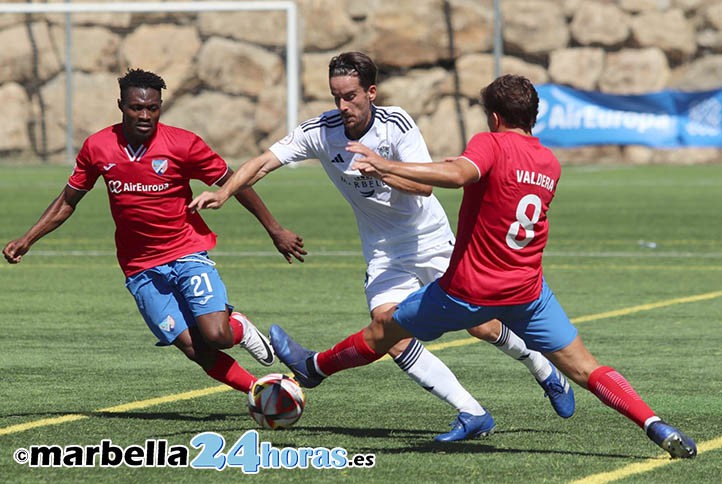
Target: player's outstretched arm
[(53, 217), (447, 174), (248, 174), (288, 243)]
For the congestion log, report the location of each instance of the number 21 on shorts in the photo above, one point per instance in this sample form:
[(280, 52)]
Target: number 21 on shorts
[(201, 284)]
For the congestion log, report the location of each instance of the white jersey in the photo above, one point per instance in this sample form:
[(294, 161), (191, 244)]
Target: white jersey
[(391, 223)]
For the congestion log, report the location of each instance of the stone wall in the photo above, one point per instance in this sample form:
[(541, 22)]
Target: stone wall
[(226, 71)]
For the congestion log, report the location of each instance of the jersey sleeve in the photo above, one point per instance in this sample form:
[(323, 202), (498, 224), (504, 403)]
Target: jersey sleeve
[(296, 146), (85, 173), (481, 151), (205, 164)]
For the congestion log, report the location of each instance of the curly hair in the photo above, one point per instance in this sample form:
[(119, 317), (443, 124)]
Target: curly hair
[(140, 78), (354, 64), (514, 99)]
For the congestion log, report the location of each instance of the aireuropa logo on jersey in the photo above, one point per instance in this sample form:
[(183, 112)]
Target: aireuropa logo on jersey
[(117, 186), (570, 117)]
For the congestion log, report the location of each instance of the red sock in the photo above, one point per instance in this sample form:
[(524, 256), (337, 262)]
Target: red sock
[(237, 328), (228, 371), (349, 353), (615, 391)]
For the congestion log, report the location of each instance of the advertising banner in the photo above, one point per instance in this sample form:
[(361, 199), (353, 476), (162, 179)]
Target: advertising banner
[(666, 119)]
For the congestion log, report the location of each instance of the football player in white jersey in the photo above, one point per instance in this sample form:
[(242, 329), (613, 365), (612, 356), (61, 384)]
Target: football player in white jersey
[(406, 237)]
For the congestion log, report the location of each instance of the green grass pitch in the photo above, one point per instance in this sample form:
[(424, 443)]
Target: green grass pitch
[(635, 257)]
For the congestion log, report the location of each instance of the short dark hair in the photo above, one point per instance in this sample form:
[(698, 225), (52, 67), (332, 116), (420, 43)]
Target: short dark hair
[(514, 99), (354, 64), (140, 78)]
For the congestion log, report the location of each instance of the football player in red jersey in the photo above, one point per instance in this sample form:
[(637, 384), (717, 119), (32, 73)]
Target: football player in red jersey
[(509, 180), (161, 245)]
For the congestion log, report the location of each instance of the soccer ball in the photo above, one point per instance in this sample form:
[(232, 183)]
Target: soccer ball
[(276, 401)]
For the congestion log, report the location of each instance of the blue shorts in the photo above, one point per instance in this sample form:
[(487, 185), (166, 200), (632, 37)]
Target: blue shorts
[(170, 296), (542, 324)]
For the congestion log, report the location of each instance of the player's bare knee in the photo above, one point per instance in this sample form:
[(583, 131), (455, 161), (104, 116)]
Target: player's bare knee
[(215, 330), (487, 332), (217, 338)]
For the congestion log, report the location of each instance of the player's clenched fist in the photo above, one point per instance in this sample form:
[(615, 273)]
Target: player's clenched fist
[(14, 251)]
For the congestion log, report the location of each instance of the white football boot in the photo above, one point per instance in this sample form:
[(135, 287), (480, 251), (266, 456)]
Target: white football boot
[(254, 341)]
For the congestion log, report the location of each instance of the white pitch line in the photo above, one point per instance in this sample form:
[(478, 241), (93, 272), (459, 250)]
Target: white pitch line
[(651, 254), (215, 253)]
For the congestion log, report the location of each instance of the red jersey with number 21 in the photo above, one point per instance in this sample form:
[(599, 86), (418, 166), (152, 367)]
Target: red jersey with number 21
[(149, 192), (503, 227)]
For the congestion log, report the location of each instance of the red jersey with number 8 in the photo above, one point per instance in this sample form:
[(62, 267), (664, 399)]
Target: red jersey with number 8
[(503, 227), (149, 192)]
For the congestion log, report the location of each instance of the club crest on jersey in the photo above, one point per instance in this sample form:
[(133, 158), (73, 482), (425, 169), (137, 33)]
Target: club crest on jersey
[(384, 151), (168, 324), (160, 166)]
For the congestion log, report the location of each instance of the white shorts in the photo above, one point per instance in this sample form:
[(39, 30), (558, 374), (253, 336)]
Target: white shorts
[(391, 280)]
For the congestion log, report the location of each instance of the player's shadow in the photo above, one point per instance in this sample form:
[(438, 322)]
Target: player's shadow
[(379, 433), (422, 441), (390, 433), (180, 417), (484, 447)]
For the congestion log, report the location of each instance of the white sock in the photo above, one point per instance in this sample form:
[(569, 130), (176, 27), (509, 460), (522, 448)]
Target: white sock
[(514, 346), (650, 421), (434, 376)]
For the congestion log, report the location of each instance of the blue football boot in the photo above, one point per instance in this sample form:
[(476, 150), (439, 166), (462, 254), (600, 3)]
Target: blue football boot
[(468, 426), (672, 440), (560, 393), (295, 357)]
